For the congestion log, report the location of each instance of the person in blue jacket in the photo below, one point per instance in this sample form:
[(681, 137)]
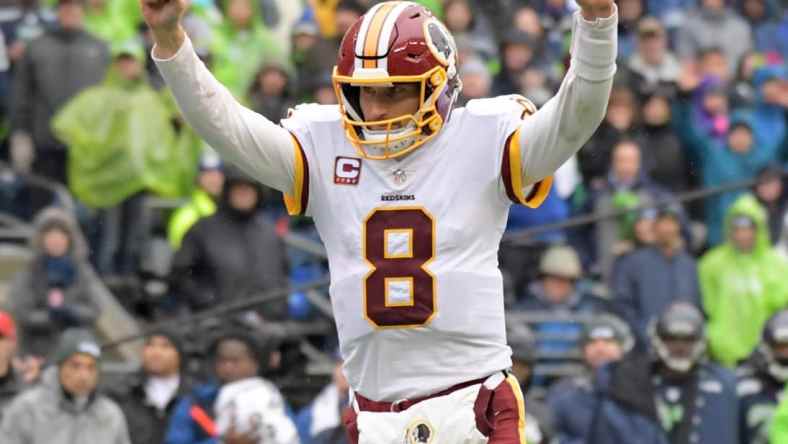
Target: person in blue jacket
[(738, 157), (673, 395)]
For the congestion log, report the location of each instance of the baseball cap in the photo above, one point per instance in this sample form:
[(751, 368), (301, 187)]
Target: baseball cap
[(561, 261), (7, 326)]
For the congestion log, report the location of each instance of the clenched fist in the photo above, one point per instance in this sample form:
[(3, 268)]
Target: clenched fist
[(164, 19), (594, 9)]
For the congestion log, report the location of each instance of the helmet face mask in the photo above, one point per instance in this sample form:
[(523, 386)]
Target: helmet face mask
[(396, 42), (774, 346)]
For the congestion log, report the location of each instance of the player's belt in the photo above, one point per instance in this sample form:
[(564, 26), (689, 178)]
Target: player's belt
[(368, 405)]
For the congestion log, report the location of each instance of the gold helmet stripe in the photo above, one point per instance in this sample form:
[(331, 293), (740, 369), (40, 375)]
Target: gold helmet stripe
[(373, 33)]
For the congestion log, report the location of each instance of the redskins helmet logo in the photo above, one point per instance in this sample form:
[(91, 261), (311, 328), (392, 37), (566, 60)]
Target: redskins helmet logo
[(419, 432), (439, 41)]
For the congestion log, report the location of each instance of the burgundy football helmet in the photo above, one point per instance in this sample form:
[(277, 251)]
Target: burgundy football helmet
[(396, 42)]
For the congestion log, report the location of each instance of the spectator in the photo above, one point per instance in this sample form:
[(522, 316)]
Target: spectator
[(462, 20), (743, 92), (11, 381), (322, 56), (57, 290), (738, 158), (519, 52), (539, 427), (648, 280), (231, 254), (320, 422), (713, 63), (210, 182), (762, 16), (239, 406), (664, 158), (621, 122), (771, 195), (240, 44), (771, 103), (627, 186), (476, 81), (66, 407), (271, 93), (672, 396), (713, 24), (104, 20), (761, 381), (629, 12), (572, 400), (556, 296), (742, 283), (56, 66), (305, 36), (652, 67), (148, 399)]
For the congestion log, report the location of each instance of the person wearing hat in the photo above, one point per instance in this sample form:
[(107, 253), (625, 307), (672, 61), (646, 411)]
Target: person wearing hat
[(539, 421), (238, 406), (232, 254), (12, 381), (761, 380), (652, 277), (652, 66), (149, 397), (57, 290), (210, 183), (605, 339), (556, 295), (66, 407), (672, 394), (742, 283)]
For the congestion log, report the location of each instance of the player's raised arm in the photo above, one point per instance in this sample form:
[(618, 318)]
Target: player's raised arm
[(252, 142), (554, 133)]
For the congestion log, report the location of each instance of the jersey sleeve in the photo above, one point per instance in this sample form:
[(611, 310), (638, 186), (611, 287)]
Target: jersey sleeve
[(508, 113), (302, 123), (256, 145)]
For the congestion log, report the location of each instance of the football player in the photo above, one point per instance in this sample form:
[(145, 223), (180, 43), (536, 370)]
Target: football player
[(410, 198)]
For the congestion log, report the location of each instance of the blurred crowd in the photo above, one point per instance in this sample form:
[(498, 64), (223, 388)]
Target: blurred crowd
[(663, 317)]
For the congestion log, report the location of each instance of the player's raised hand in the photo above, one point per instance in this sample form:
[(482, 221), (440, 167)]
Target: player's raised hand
[(163, 15), (593, 9), (164, 19)]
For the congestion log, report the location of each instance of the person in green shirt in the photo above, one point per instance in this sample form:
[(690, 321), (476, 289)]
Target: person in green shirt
[(202, 203), (240, 45), (743, 282)]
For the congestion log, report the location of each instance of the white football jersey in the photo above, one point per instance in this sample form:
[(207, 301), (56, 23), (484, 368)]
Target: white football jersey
[(413, 245)]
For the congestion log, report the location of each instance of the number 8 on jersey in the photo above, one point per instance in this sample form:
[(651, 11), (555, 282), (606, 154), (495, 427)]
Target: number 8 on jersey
[(399, 244)]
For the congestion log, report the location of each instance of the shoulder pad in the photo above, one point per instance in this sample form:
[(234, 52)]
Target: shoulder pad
[(313, 112), (748, 386), (513, 103)]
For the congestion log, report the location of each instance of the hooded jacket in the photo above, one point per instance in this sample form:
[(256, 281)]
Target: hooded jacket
[(228, 256), (740, 291), (122, 141), (46, 415), (718, 163), (40, 324)]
